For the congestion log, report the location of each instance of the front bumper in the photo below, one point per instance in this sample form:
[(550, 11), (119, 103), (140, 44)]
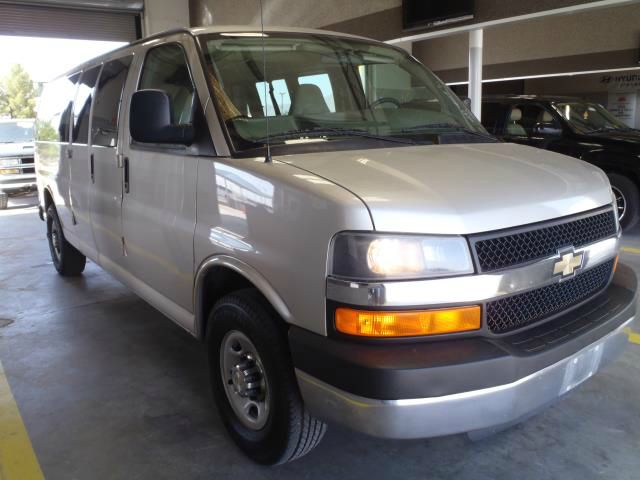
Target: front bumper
[(421, 390), (15, 182)]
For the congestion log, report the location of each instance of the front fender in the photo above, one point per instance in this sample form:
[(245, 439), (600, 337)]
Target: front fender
[(247, 271)]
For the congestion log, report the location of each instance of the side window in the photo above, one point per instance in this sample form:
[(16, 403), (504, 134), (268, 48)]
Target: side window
[(533, 119), (82, 106), (54, 110), (108, 97), (493, 117), (165, 68), (320, 84)]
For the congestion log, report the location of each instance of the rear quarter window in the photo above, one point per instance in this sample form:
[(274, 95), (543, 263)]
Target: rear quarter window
[(54, 109)]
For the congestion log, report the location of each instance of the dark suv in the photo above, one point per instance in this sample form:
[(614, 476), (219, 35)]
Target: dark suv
[(577, 128)]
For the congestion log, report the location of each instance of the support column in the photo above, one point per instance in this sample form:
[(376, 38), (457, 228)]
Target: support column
[(475, 71), (162, 15)]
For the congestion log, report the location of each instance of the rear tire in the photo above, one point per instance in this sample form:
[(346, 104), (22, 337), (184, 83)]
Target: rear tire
[(69, 262), (285, 431), (4, 200), (627, 198)]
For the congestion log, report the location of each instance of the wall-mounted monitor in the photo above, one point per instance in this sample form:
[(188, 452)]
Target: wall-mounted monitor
[(428, 13)]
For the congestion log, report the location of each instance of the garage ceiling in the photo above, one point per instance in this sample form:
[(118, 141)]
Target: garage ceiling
[(111, 20)]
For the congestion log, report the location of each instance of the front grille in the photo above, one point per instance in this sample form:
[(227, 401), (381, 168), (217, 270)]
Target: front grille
[(504, 251), (28, 161), (524, 309)]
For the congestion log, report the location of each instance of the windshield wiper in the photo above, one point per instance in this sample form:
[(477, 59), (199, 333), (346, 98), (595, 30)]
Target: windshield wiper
[(447, 126), (343, 132)]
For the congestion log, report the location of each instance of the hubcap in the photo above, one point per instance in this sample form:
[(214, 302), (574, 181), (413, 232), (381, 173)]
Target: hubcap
[(621, 202), (55, 239), (244, 380)]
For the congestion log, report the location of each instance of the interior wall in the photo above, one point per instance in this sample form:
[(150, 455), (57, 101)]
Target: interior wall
[(301, 13), (162, 15), (387, 24), (579, 35)]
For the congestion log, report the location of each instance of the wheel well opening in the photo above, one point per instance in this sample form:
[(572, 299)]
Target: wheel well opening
[(218, 282), (48, 200)]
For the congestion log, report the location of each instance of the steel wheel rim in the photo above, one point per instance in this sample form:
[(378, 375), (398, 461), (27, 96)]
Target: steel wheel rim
[(621, 202), (244, 380), (55, 239)]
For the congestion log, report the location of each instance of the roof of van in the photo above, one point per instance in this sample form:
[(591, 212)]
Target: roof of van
[(244, 29)]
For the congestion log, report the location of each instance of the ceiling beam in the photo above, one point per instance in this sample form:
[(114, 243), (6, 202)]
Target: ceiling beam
[(518, 18)]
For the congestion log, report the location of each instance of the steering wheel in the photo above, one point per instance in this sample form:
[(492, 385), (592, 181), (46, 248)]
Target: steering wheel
[(382, 100)]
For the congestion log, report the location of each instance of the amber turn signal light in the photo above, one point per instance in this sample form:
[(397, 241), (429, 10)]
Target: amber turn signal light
[(615, 263), (410, 323)]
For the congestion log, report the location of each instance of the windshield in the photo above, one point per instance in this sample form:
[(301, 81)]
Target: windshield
[(589, 117), (20, 131), (319, 88)]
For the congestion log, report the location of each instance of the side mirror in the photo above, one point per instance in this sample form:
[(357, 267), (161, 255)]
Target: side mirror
[(547, 129), (150, 120)]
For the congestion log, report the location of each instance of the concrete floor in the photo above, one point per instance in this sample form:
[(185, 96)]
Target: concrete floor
[(109, 388)]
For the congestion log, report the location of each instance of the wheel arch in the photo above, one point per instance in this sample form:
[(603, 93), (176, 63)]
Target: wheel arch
[(222, 274), (47, 197), (614, 162)]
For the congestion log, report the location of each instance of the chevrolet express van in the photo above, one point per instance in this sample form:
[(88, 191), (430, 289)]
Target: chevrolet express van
[(348, 240)]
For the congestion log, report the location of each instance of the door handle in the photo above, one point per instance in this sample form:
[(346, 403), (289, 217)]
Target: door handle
[(91, 166), (69, 153), (126, 174)]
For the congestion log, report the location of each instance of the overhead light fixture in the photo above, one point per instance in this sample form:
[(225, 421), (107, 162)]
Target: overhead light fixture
[(548, 75)]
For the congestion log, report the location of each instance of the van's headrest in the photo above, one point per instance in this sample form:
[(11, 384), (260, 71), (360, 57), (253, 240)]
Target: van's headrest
[(308, 100), (547, 117)]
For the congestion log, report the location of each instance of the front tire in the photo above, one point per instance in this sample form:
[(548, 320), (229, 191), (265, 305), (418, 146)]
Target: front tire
[(69, 262), (254, 383), (627, 200)]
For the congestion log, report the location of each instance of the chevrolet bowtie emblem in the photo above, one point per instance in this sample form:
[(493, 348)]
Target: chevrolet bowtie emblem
[(568, 264)]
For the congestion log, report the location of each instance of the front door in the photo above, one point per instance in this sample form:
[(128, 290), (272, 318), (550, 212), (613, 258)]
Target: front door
[(159, 203), (104, 162)]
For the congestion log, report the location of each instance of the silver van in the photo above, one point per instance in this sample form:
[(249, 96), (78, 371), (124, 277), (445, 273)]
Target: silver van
[(348, 240)]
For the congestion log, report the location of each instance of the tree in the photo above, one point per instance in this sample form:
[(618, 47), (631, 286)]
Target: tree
[(17, 94)]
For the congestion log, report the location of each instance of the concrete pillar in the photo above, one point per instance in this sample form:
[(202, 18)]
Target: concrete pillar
[(475, 71), (162, 15)]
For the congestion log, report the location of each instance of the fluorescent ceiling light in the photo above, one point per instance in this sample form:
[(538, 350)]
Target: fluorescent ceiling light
[(549, 75)]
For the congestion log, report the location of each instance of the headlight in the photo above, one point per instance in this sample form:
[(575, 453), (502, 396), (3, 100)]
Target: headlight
[(9, 162), (614, 202), (367, 256)]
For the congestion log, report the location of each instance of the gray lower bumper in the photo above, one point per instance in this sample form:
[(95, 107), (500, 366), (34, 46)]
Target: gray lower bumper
[(462, 412)]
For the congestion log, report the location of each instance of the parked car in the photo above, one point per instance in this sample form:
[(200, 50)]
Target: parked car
[(574, 127), (344, 235), (17, 170)]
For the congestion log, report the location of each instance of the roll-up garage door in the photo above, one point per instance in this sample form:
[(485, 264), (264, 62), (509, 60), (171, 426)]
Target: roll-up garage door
[(45, 20)]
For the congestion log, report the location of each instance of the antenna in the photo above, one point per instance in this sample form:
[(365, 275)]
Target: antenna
[(267, 157)]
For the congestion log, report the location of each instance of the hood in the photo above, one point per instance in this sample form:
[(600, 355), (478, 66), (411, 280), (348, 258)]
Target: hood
[(16, 149), (461, 189), (626, 139)]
